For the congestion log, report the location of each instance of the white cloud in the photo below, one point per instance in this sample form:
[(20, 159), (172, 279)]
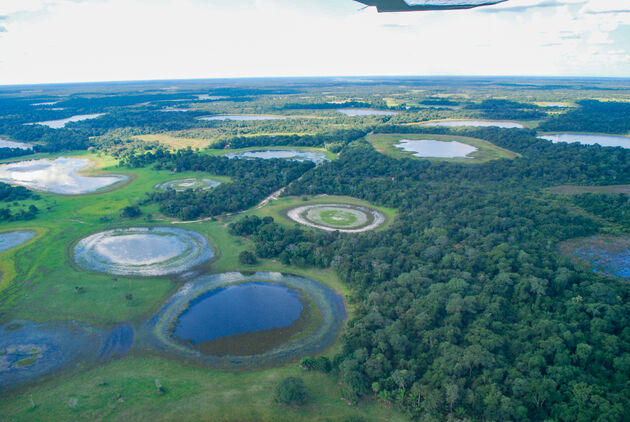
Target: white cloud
[(71, 40)]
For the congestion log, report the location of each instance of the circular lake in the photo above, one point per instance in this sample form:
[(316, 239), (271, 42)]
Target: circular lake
[(603, 140), (143, 251), (609, 256), (13, 239), (294, 155), (342, 217), (233, 320), (238, 309), (436, 149), (60, 176), (475, 123), (358, 112), (187, 184)]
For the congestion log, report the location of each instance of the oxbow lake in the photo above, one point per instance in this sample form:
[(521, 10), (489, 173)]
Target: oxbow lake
[(242, 117), (295, 155), (13, 239), (11, 144)]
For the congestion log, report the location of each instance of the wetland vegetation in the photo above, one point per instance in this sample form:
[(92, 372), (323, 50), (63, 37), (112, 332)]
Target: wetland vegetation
[(480, 294)]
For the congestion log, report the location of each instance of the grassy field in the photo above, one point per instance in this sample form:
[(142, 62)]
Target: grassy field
[(385, 144), (175, 142), (39, 283)]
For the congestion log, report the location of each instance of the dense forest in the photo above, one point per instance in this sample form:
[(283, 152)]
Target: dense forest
[(9, 193), (592, 116), (611, 207), (464, 307)]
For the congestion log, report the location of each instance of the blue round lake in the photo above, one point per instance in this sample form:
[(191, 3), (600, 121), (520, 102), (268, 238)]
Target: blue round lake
[(238, 309)]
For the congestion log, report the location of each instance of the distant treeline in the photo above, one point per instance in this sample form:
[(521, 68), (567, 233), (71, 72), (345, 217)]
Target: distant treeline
[(333, 140), (592, 116), (508, 110)]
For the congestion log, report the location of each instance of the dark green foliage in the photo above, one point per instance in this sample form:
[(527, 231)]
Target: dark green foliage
[(592, 116), (505, 110), (320, 363), (612, 207), (132, 211), (247, 258), (291, 392), (464, 305), (10, 193), (340, 137)]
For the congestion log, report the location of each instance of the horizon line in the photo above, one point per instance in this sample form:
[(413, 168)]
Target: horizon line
[(261, 78)]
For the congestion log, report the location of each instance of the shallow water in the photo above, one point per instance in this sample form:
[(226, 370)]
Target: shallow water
[(11, 144), (206, 299), (436, 149), (10, 240), (295, 155), (143, 251), (603, 140), (354, 112), (243, 117), (59, 176), (607, 255), (30, 350), (58, 124), (238, 309), (192, 183), (475, 123)]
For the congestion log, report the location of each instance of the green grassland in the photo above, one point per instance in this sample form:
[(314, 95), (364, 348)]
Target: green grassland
[(278, 208), (39, 284), (384, 143)]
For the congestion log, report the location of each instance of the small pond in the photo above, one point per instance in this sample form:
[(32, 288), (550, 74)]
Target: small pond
[(603, 140), (238, 309), (181, 185), (475, 123), (243, 117), (60, 176), (295, 155), (358, 112), (11, 144), (607, 255), (143, 251), (10, 240), (58, 124), (235, 320), (436, 149)]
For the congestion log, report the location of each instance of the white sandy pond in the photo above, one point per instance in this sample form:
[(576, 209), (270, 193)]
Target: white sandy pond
[(584, 139), (475, 123), (242, 117), (58, 124), (428, 148), (11, 144), (358, 112), (60, 176)]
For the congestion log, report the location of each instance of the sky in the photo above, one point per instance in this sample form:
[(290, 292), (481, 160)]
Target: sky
[(54, 41)]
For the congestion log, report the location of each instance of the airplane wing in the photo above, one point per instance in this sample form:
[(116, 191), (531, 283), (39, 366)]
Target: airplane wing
[(416, 5)]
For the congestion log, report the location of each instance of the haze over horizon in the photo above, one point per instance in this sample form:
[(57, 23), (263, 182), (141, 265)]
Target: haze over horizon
[(61, 41)]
